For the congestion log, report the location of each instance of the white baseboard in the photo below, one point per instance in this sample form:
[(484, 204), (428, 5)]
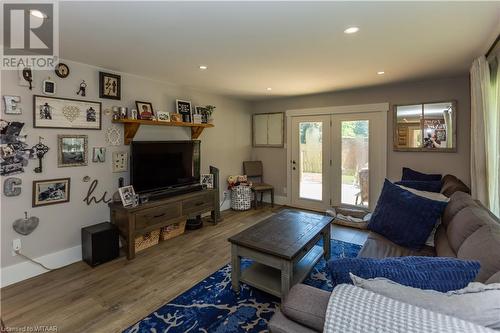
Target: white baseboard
[(25, 270), (226, 205)]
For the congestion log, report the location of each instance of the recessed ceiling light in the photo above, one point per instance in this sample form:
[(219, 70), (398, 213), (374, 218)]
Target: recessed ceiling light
[(380, 72), (203, 67), (269, 89), (351, 30), (37, 13)]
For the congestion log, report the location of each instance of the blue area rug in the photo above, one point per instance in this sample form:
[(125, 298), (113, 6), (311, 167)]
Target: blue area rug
[(212, 306)]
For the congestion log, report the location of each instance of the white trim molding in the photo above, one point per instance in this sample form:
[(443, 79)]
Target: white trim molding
[(382, 108), (25, 270), (358, 108)]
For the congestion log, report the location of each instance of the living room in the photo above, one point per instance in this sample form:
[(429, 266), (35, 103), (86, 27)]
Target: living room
[(223, 166)]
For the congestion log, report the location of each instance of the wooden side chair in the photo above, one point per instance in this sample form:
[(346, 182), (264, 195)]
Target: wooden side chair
[(254, 170)]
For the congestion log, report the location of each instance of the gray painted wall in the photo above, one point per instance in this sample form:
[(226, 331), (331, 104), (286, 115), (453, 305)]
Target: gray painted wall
[(457, 88), (224, 146)]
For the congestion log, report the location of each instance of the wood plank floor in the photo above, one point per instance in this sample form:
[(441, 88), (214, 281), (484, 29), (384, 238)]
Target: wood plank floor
[(111, 297)]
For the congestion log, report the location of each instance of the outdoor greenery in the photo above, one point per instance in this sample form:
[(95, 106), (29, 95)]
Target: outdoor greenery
[(353, 129)]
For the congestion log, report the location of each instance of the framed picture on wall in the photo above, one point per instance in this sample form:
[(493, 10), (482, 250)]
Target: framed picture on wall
[(110, 85), (55, 112), (72, 150), (51, 191)]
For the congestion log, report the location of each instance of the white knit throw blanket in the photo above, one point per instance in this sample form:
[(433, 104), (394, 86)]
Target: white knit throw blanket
[(354, 310)]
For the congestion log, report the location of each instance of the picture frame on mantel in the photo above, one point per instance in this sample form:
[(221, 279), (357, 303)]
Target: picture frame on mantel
[(57, 112), (183, 108)]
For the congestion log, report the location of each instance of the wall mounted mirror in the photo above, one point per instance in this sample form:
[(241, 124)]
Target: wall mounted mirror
[(425, 127), (267, 130)]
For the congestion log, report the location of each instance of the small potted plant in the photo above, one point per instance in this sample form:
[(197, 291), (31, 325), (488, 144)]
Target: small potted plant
[(208, 110)]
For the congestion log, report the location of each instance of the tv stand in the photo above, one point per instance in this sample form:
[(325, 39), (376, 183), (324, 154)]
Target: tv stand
[(155, 214), (172, 192)]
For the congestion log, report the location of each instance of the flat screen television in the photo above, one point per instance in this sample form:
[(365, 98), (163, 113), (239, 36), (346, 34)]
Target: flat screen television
[(163, 165)]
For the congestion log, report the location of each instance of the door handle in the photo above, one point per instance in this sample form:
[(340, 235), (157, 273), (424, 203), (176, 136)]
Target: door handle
[(159, 215), (293, 168), (293, 162)]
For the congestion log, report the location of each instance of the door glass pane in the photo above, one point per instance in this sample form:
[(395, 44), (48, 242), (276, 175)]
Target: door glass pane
[(355, 162), (311, 160)]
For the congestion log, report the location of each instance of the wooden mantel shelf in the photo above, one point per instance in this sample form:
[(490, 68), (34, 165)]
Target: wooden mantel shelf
[(132, 125)]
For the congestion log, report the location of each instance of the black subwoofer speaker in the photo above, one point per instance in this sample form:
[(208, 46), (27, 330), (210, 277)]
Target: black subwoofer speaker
[(100, 243)]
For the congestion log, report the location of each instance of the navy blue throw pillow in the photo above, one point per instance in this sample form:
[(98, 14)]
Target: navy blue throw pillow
[(409, 174), (422, 185), (405, 218), (436, 273)]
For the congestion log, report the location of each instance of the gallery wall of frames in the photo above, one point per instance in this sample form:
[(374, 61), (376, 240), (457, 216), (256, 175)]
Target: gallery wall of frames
[(59, 142)]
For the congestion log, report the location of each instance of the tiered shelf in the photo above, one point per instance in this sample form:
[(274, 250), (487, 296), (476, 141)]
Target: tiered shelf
[(131, 126)]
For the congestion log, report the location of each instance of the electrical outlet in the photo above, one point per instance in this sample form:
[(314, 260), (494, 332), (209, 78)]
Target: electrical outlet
[(16, 246), (120, 161)]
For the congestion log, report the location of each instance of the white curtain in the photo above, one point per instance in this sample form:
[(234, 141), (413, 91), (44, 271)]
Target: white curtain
[(485, 136)]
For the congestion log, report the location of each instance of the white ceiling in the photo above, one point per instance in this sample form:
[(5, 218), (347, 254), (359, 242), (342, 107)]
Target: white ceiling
[(293, 47)]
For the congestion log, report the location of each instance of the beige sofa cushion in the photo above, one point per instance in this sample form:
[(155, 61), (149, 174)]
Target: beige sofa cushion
[(452, 184), (495, 278), (464, 224), (458, 201), (306, 305), (484, 246), (442, 245), (377, 246)]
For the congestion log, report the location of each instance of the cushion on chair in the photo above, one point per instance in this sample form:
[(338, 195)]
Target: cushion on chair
[(262, 187), (409, 174), (306, 305)]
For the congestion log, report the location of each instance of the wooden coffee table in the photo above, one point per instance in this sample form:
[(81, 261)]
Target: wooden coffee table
[(283, 250)]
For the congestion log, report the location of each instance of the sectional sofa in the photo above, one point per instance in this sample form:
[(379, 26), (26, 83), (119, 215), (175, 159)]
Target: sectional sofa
[(468, 231)]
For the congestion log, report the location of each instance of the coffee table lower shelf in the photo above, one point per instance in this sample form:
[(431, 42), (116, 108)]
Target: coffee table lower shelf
[(268, 279)]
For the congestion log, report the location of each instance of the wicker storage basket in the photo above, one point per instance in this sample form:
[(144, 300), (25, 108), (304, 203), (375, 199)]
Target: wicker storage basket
[(173, 230), (241, 198), (147, 240)]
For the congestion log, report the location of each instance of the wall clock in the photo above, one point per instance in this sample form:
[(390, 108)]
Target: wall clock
[(62, 70)]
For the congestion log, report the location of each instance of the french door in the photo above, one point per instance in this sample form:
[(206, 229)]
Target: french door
[(337, 160)]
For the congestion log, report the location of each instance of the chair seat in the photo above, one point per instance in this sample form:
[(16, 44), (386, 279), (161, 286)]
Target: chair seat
[(262, 187)]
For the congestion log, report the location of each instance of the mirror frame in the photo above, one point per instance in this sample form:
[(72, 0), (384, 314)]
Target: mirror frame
[(411, 149), (282, 131)]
